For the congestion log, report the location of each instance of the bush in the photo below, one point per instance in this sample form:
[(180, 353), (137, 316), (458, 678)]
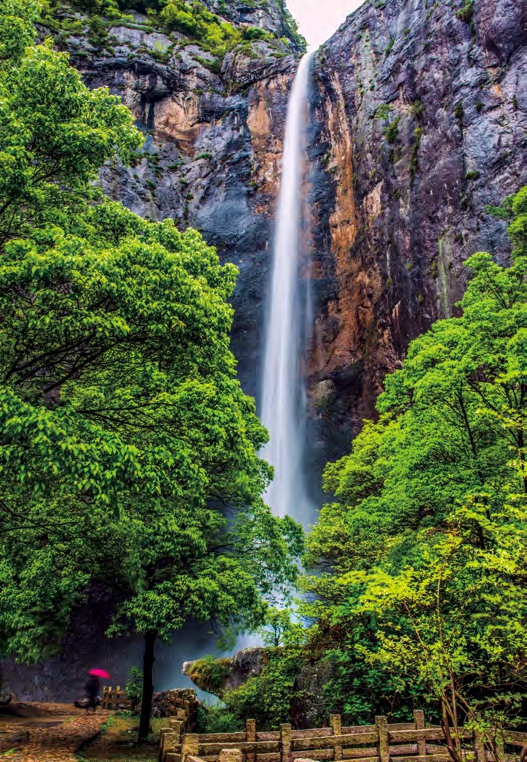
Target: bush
[(255, 33), (195, 21), (134, 687), (267, 698), (467, 11), (393, 130), (210, 672), (217, 718)]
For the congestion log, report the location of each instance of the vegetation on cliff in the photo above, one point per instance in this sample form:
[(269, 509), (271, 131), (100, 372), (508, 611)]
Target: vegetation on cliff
[(193, 20), (128, 451)]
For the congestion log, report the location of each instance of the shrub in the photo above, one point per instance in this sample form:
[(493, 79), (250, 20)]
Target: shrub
[(195, 21), (459, 111), (217, 718), (134, 687), (255, 33), (393, 130), (466, 12), (210, 672)]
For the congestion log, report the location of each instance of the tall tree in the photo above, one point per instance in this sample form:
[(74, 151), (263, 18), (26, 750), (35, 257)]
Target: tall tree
[(128, 451)]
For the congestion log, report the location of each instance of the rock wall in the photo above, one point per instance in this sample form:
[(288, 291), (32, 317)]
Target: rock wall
[(418, 117), (419, 120), (212, 152)]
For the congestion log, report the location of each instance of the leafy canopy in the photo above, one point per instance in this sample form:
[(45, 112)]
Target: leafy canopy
[(128, 451)]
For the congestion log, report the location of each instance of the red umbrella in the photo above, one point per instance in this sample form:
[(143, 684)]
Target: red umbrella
[(100, 673)]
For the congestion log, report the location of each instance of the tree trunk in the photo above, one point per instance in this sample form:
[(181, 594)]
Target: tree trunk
[(148, 685)]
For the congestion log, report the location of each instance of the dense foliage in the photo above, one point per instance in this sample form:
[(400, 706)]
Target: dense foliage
[(420, 590), (128, 451), (267, 697)]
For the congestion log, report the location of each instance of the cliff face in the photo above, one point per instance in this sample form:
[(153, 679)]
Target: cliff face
[(418, 119), (419, 113), (213, 140)]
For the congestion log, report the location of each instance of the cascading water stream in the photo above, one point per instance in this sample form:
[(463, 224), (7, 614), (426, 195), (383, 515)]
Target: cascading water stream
[(282, 391)]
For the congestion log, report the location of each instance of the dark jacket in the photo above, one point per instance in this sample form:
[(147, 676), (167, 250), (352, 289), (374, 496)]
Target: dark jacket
[(92, 688)]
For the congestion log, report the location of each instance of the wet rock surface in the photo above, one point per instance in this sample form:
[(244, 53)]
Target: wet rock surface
[(419, 122), (234, 671)]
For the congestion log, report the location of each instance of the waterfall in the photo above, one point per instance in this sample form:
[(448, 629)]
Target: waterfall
[(282, 392)]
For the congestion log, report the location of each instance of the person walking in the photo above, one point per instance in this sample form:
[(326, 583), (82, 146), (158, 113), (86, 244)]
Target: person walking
[(92, 689)]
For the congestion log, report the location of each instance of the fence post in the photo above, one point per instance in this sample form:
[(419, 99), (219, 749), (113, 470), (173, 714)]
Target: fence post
[(177, 727), (419, 719), (189, 746), (285, 742), (479, 747), (250, 737), (381, 723), (335, 722)]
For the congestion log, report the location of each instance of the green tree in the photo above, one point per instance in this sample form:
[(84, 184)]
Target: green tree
[(55, 134), (454, 618), (413, 551), (128, 451), (281, 630)]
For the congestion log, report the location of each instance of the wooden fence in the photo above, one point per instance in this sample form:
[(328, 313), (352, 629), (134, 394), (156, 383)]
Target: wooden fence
[(405, 742), (115, 698)]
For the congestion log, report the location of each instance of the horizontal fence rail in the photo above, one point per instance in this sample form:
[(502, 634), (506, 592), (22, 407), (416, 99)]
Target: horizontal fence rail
[(115, 698), (404, 742)]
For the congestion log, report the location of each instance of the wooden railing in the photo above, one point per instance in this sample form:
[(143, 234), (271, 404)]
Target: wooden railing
[(405, 742), (115, 698)]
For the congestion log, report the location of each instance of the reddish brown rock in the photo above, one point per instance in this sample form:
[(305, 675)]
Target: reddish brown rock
[(420, 122)]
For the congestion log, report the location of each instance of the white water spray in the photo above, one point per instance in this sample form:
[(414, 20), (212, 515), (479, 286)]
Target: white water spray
[(282, 392)]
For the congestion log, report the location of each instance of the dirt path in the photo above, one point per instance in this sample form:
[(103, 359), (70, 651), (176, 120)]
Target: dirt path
[(58, 742), (118, 743)]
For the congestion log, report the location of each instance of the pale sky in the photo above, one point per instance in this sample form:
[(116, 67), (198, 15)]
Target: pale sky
[(318, 19)]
